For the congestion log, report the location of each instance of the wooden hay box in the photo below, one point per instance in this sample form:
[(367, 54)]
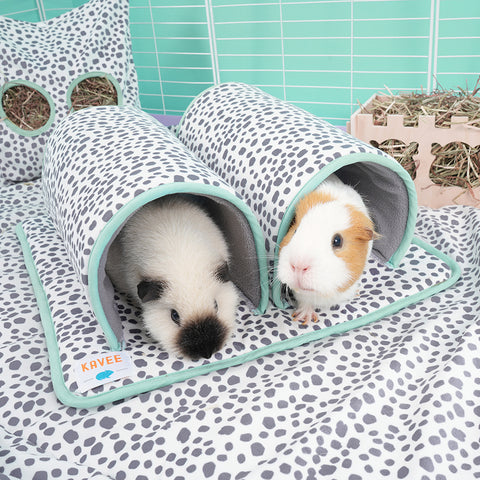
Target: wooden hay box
[(426, 135)]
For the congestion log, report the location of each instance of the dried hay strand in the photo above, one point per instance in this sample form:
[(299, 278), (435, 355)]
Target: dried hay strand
[(443, 104), (456, 164), (29, 110), (402, 153), (93, 92), (25, 107)]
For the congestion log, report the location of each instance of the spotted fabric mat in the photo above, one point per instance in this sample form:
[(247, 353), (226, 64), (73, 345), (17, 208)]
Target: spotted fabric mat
[(78, 335), (120, 158), (88, 196), (394, 399)]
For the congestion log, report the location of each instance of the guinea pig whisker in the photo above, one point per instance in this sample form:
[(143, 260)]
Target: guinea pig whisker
[(274, 282), (288, 295)]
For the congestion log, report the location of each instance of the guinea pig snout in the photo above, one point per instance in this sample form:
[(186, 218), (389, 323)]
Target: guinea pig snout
[(202, 337), (300, 271), (296, 271)]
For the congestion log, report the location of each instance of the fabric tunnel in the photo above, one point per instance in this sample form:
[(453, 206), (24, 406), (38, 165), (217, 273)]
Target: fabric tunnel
[(95, 44), (104, 163), (273, 153)]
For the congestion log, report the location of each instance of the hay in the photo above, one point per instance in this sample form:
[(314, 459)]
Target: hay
[(29, 110), (443, 104), (402, 153), (93, 92), (456, 164), (24, 106)]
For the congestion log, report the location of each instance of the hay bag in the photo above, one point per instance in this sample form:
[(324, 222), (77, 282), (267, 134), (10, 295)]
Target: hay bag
[(52, 58), (274, 153)]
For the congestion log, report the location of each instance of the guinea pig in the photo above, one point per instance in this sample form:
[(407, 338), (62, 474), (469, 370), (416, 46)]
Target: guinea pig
[(323, 255), (172, 260)]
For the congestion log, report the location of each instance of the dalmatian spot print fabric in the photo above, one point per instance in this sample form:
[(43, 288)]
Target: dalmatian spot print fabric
[(52, 57), (86, 178), (395, 399), (102, 164)]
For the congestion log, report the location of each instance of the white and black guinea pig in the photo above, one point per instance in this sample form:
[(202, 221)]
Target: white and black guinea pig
[(323, 254), (172, 260)]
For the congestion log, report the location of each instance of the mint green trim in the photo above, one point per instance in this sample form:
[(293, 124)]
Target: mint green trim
[(318, 178), (39, 89), (71, 399), (61, 391), (112, 79), (121, 216)]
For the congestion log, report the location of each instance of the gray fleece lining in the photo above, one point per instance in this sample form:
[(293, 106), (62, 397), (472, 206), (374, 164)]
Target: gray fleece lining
[(386, 197)]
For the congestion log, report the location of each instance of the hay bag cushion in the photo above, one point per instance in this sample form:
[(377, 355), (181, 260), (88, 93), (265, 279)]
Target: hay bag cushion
[(52, 57), (102, 164), (273, 153)]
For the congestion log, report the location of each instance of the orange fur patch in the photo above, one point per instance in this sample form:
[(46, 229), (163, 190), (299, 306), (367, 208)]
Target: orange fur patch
[(303, 206), (355, 244)]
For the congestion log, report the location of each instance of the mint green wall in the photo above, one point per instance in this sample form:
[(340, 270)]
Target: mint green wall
[(323, 56)]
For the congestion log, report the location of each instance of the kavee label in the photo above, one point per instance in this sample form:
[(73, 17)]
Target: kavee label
[(95, 370)]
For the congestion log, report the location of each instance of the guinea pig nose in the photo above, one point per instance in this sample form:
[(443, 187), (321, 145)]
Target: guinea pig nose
[(201, 338), (300, 268)]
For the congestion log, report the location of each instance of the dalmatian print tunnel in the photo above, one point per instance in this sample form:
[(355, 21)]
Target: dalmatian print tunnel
[(273, 153)]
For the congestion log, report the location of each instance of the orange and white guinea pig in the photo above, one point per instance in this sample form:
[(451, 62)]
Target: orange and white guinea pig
[(323, 254)]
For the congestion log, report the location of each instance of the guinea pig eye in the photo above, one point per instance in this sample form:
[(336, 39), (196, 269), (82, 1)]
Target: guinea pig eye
[(222, 274), (215, 305), (175, 316), (337, 241)]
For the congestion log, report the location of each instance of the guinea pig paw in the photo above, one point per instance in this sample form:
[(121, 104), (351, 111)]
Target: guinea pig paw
[(305, 315)]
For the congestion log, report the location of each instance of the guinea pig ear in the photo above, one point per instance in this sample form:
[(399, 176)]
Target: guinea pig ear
[(363, 227), (291, 231), (149, 290), (222, 274), (366, 234)]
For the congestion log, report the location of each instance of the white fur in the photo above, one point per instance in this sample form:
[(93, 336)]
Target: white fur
[(176, 241), (319, 274)]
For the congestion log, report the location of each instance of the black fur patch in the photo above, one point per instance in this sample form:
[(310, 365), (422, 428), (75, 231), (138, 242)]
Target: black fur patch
[(222, 274), (149, 290), (202, 338)]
